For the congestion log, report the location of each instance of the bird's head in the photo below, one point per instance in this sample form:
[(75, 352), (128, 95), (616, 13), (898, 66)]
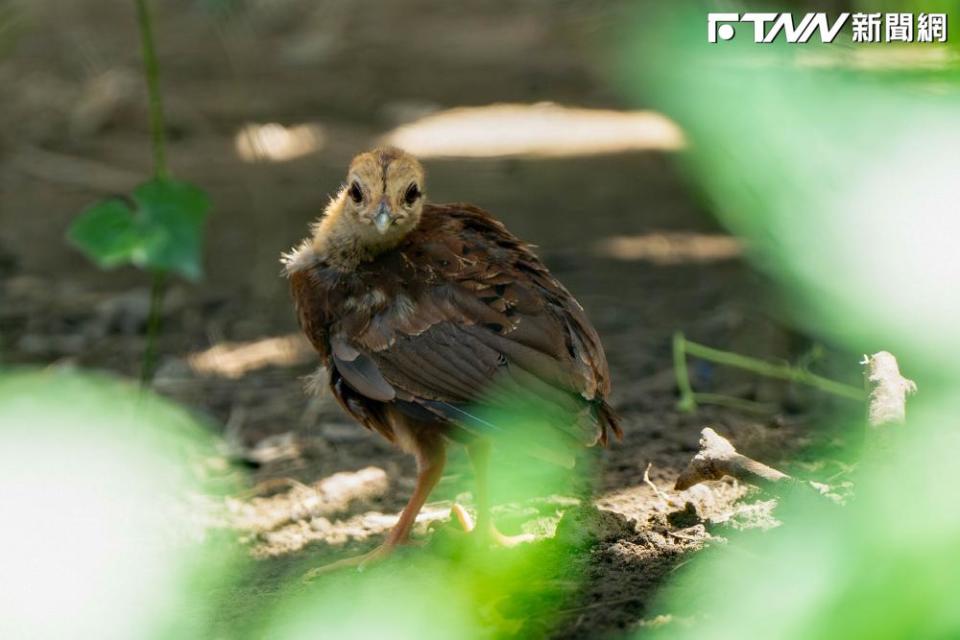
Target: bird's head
[(383, 196)]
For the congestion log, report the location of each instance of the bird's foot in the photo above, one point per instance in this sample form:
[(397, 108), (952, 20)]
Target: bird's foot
[(360, 562), (463, 518), (490, 532)]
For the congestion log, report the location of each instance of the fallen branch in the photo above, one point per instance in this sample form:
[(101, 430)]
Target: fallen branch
[(888, 390), (718, 458)]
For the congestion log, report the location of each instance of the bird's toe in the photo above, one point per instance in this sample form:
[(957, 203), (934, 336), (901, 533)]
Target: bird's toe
[(360, 562)]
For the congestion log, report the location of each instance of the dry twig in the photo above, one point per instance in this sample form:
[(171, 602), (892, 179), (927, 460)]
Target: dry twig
[(888, 390), (718, 458)]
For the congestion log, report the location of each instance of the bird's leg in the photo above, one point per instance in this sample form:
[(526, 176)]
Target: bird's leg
[(431, 458), (479, 452)]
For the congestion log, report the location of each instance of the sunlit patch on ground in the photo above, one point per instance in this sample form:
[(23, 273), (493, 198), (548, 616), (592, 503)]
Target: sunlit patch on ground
[(671, 247), (289, 520), (273, 142), (542, 129), (300, 501), (281, 516), (234, 359), (713, 501), (369, 525)]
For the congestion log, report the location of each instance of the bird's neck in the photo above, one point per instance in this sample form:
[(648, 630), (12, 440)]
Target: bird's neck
[(343, 243)]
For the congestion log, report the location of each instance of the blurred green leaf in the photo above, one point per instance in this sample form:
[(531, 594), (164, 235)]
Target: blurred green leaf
[(159, 229), (837, 165), (106, 232), (105, 496), (882, 567)]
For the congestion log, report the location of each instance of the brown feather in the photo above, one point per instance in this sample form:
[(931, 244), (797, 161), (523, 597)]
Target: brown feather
[(459, 314)]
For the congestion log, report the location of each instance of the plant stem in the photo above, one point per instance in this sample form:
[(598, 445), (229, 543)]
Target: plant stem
[(151, 69), (687, 402), (154, 320), (741, 404), (158, 134), (781, 371)]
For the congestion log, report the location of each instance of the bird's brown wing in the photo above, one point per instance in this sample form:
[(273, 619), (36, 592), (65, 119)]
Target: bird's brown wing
[(473, 325)]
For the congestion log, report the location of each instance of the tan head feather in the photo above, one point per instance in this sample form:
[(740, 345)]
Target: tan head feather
[(380, 204)]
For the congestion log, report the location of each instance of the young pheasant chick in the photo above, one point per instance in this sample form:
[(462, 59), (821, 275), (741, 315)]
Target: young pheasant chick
[(428, 316)]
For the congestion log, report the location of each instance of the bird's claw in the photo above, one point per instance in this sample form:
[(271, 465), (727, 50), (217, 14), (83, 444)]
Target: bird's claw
[(463, 518), (360, 562), (490, 533)]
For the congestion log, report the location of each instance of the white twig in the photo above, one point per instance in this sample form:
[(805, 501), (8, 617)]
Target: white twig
[(718, 458), (888, 390)]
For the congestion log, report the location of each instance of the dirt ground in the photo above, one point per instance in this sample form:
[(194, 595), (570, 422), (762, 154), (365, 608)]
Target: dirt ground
[(73, 129)]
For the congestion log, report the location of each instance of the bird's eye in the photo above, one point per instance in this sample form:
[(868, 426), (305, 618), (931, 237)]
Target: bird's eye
[(356, 193), (412, 194)]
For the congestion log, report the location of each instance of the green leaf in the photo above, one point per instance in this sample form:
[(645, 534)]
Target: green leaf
[(106, 232), (160, 229)]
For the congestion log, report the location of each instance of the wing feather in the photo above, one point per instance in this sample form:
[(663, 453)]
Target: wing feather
[(471, 322)]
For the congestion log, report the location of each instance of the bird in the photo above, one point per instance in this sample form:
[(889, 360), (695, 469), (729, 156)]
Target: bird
[(434, 323)]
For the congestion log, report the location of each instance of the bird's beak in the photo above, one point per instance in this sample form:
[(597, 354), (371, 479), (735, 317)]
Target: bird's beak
[(383, 218)]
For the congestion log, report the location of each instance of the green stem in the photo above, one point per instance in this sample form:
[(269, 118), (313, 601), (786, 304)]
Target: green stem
[(687, 401), (740, 404), (770, 370), (154, 320), (151, 69)]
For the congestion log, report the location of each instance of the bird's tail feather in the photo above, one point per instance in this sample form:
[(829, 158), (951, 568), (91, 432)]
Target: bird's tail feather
[(608, 419)]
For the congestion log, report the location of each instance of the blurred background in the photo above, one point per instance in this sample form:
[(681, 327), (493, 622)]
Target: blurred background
[(670, 187)]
